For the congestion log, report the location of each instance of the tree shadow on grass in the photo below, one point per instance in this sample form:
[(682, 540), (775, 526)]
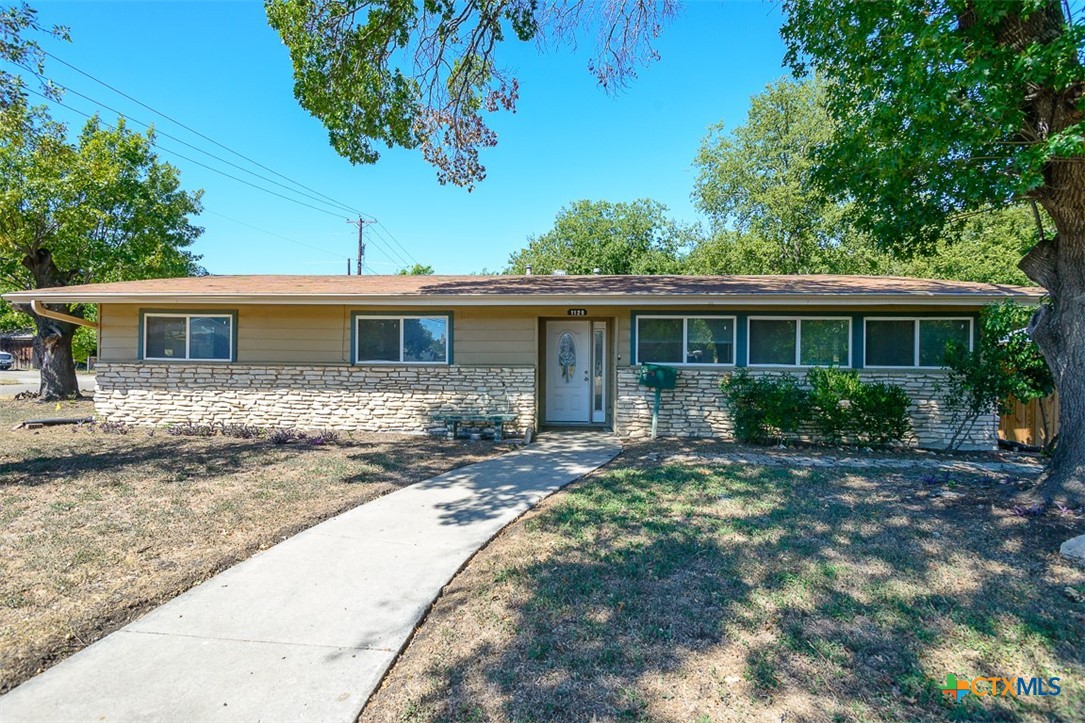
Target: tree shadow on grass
[(172, 457), (802, 595)]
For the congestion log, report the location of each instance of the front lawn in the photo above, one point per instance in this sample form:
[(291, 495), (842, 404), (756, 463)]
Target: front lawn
[(694, 592), (97, 528)]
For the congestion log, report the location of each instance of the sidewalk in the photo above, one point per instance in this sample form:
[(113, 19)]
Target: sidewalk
[(306, 629)]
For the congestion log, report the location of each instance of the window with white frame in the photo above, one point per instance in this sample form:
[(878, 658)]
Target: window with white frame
[(695, 340), (188, 337), (795, 341), (401, 339), (915, 342)]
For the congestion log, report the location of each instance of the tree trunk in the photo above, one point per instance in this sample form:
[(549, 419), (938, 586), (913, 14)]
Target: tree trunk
[(53, 343), (1059, 330)]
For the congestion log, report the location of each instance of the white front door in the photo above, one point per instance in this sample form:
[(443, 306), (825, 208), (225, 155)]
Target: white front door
[(568, 371)]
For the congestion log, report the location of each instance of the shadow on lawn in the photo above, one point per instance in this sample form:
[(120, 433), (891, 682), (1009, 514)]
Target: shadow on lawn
[(175, 458), (822, 599)]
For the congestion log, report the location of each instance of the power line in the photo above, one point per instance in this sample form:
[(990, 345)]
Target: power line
[(387, 231), (387, 240), (179, 140), (388, 249), (385, 245), (202, 135), (276, 235), (192, 160), (216, 213)]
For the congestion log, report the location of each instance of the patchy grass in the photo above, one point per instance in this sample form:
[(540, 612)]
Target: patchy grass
[(96, 528), (692, 592)]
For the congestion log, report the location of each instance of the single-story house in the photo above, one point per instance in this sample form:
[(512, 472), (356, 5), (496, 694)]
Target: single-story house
[(386, 353)]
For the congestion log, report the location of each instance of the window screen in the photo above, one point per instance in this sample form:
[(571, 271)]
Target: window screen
[(772, 341), (825, 342), (935, 336), (710, 340), (659, 340), (890, 343), (165, 337), (378, 340)]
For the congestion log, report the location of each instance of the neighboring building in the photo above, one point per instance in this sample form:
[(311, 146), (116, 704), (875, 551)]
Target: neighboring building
[(20, 344), (384, 353)]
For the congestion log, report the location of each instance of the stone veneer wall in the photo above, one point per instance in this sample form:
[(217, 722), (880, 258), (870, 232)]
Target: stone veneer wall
[(393, 398), (695, 408)]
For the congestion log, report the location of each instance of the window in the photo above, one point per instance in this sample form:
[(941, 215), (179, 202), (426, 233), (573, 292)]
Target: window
[(708, 340), (406, 339), (188, 337), (890, 342), (825, 342), (799, 342), (914, 342)]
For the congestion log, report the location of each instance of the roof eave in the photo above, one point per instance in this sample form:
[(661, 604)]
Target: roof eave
[(640, 300)]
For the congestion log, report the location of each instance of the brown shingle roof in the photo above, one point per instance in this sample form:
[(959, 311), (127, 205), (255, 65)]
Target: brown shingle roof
[(301, 288)]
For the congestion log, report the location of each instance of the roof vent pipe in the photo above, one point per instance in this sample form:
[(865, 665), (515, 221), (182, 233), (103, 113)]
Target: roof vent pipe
[(596, 271), (528, 272)]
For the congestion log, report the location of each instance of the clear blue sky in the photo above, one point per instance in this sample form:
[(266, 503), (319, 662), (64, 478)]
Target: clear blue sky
[(219, 68)]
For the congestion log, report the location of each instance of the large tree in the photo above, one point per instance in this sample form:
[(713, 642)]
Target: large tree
[(757, 185), (425, 74), (613, 238), (756, 178), (941, 106), (99, 208)]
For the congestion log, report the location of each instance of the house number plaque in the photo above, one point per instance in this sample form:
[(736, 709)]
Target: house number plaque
[(577, 312)]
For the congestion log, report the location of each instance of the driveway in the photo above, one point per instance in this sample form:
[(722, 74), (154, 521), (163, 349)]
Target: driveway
[(306, 629), (13, 382)]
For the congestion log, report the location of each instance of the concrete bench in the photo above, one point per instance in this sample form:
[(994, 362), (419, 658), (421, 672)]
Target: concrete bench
[(453, 420)]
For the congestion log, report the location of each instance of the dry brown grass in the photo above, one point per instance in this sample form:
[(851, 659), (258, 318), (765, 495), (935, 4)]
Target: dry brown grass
[(697, 592), (96, 528)]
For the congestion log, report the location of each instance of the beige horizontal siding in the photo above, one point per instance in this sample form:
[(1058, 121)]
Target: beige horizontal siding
[(480, 340), (118, 336)]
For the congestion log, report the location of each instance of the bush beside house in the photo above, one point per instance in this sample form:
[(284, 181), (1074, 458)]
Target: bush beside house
[(831, 406)]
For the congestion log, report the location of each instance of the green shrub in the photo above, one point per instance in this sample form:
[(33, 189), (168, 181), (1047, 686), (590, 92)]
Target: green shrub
[(766, 408), (838, 405), (832, 394), (880, 414)]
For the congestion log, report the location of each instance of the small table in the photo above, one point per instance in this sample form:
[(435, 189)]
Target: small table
[(452, 421)]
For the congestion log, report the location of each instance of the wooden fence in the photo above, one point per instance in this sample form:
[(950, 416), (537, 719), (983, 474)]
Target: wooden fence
[(1025, 422), (20, 348)]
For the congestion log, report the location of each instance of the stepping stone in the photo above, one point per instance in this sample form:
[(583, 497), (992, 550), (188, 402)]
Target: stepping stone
[(1074, 548)]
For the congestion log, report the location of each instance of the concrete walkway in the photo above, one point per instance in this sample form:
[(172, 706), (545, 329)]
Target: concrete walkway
[(306, 629)]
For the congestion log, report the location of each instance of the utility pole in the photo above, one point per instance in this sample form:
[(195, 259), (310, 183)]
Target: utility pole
[(360, 223)]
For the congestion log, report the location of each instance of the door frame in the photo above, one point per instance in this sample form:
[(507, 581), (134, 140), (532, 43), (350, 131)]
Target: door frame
[(609, 371)]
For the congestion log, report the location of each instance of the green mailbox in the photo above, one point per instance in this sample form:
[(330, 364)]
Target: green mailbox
[(657, 377)]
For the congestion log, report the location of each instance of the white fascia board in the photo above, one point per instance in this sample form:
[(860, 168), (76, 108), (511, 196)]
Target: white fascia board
[(631, 300)]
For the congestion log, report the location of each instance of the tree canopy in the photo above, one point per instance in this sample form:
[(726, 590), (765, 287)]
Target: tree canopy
[(613, 238), (417, 270), (101, 207), (940, 107), (944, 107), (425, 74), (757, 183), (19, 30), (757, 178)]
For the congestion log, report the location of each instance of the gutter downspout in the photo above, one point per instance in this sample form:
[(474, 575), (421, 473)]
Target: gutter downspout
[(39, 308)]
